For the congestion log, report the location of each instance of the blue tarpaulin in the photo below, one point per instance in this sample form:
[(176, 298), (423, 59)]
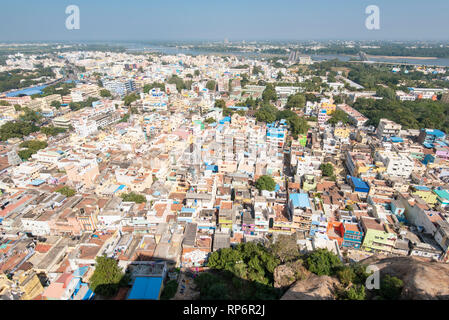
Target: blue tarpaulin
[(146, 288), (120, 188), (300, 200), (37, 182)]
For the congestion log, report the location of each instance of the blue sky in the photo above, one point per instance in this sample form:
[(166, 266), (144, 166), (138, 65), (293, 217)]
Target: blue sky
[(31, 20)]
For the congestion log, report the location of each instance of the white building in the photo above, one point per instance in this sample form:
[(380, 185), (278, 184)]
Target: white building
[(396, 164)]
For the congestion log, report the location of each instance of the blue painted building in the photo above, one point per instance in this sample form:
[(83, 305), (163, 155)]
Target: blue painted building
[(353, 236), (358, 185)]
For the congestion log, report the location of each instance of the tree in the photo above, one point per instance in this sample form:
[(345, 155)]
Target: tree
[(68, 192), (30, 115), (196, 73), (269, 94), (266, 113), (148, 87), (52, 131), (391, 287), (32, 146), (311, 97), (338, 116), (327, 169), (133, 197), (25, 154), (285, 248), (130, 98), (279, 75), (17, 129), (257, 70), (296, 101), (170, 289), (211, 85), (210, 120), (338, 99), (107, 278), (105, 93), (55, 104), (323, 262), (356, 292), (346, 276), (265, 183), (125, 118), (180, 85), (244, 81), (386, 93), (220, 104), (298, 125)]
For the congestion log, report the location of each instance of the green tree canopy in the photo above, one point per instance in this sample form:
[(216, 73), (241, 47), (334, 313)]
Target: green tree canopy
[(170, 289), (266, 113), (130, 98), (327, 169), (148, 87), (269, 94), (32, 146), (265, 183), (337, 116), (211, 85), (52, 131), (323, 262), (68, 192), (296, 101), (220, 103), (107, 278), (55, 104), (391, 287), (386, 93), (133, 197), (105, 93)]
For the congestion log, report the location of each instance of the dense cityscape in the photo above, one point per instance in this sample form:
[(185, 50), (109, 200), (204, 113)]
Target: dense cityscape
[(137, 174)]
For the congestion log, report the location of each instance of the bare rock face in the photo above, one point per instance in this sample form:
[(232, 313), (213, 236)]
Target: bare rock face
[(423, 279), (286, 274), (313, 288)]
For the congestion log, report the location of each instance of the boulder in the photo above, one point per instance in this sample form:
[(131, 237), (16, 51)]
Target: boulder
[(286, 274), (423, 279), (312, 288)]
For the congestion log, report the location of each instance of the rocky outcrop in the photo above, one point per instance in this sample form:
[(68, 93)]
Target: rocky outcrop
[(313, 288), (286, 274), (423, 279)]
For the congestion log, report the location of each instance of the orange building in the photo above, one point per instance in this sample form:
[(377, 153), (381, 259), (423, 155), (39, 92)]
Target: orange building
[(335, 231)]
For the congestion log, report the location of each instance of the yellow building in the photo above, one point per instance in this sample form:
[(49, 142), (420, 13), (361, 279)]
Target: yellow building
[(426, 194), (5, 284), (342, 132), (361, 168), (29, 283), (329, 107)]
